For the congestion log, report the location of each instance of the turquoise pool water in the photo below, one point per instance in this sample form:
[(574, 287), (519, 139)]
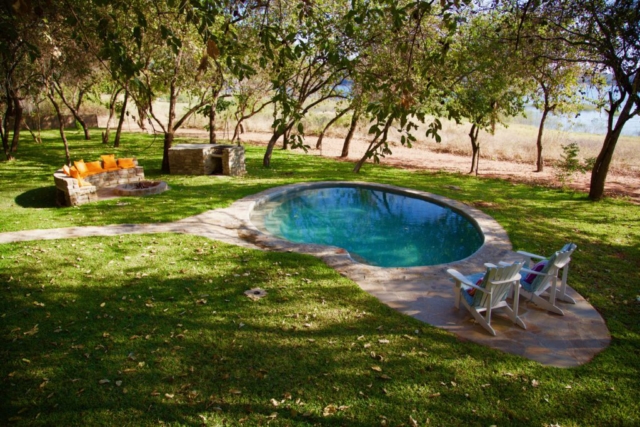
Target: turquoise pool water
[(376, 227)]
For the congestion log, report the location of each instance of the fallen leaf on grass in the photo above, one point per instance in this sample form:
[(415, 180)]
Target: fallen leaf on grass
[(434, 395), (32, 331), (412, 422), (329, 410), (383, 341), (534, 383), (384, 377), (169, 396), (235, 391), (105, 381), (376, 368)]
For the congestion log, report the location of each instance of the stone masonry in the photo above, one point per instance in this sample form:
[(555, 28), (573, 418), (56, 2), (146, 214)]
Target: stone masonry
[(69, 192), (207, 159)]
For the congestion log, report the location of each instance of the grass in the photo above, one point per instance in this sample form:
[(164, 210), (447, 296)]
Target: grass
[(164, 319)]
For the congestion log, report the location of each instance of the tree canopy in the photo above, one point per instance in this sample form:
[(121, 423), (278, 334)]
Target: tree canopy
[(407, 62)]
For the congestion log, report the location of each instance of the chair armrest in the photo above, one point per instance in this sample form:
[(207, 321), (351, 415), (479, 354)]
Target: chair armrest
[(489, 265), (459, 277), (537, 273), (530, 255)]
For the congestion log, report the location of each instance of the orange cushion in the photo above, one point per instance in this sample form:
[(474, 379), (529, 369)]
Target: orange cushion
[(109, 162), (126, 163), (84, 183), (93, 168), (75, 174), (66, 170), (81, 167)]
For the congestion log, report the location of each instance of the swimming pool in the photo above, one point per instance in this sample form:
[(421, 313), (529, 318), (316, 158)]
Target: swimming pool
[(376, 225)]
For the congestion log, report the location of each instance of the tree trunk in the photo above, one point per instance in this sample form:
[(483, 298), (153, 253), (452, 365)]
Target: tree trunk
[(352, 130), (116, 140), (75, 110), (35, 137), (212, 125), (168, 142), (17, 108), (331, 122), (601, 166), (373, 146), (539, 161), (5, 133), (285, 138), (266, 160), (475, 148), (237, 131), (112, 112), (60, 127)]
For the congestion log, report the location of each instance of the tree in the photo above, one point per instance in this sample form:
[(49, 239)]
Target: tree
[(487, 83), (607, 35), (308, 63), (557, 92), (24, 25)]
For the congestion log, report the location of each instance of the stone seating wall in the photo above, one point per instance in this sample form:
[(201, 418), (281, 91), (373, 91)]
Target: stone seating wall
[(69, 192)]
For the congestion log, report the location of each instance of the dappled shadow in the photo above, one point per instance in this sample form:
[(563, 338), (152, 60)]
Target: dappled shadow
[(38, 198), (178, 340)]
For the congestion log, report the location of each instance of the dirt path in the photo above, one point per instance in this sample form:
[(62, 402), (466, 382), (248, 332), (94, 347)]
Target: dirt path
[(422, 158)]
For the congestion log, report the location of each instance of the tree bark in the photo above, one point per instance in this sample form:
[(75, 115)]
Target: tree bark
[(602, 163), (266, 160), (5, 132), (75, 110), (17, 108), (60, 127), (116, 140), (112, 112), (212, 125), (352, 130), (237, 131), (168, 142), (374, 146), (475, 148), (331, 122), (35, 137), (539, 161)]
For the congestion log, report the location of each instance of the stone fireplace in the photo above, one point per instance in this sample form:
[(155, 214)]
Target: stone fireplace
[(207, 159)]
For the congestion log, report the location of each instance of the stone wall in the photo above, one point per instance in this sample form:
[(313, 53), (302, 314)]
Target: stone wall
[(207, 159), (69, 192)]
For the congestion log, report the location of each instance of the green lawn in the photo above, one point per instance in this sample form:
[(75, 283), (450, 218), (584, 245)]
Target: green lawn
[(142, 330)]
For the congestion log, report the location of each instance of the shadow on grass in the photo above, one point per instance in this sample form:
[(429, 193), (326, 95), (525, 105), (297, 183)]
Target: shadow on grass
[(38, 198)]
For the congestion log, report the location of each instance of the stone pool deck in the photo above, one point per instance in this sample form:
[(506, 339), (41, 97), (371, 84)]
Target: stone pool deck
[(424, 293)]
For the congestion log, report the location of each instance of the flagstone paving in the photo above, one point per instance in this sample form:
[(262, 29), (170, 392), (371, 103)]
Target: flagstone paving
[(424, 293)]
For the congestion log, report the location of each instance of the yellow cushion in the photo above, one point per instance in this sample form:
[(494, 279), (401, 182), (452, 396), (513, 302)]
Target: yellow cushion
[(81, 167), (84, 183), (73, 171), (93, 168), (109, 162), (126, 163), (66, 170)]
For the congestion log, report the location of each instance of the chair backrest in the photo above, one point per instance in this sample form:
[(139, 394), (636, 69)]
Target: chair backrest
[(569, 247), (554, 263), (499, 281)]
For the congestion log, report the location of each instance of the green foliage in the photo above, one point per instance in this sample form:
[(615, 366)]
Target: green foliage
[(571, 163)]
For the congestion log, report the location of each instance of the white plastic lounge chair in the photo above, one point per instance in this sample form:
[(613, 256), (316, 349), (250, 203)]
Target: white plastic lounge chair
[(491, 293), (532, 259), (543, 281)]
